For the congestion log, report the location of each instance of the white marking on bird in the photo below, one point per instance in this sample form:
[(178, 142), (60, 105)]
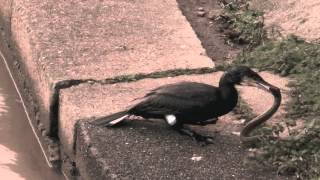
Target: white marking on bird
[(118, 120), (171, 119)]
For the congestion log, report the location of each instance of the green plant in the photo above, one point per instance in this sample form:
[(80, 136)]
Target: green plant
[(242, 25), (299, 154)]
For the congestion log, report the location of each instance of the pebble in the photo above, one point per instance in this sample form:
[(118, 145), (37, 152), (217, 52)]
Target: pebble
[(200, 9), (236, 133), (201, 13), (196, 158)]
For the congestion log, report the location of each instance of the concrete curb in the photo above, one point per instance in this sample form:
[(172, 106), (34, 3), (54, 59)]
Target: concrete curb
[(145, 150), (89, 162), (52, 51), (69, 50)]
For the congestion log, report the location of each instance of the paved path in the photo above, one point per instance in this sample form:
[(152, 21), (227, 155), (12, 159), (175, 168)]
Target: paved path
[(21, 156)]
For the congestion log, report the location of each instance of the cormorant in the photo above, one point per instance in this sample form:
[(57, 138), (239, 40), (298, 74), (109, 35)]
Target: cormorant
[(191, 102)]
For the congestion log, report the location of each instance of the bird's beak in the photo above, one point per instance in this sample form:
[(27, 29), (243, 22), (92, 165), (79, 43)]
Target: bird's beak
[(261, 84), (248, 82)]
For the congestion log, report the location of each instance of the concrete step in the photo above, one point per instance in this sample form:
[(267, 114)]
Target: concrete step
[(80, 40), (149, 150), (72, 58)]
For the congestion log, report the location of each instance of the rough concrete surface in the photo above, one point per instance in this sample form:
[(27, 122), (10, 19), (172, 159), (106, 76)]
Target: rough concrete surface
[(150, 150), (101, 39), (65, 40)]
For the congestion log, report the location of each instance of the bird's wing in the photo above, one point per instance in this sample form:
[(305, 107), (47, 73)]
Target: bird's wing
[(189, 91), (177, 98)]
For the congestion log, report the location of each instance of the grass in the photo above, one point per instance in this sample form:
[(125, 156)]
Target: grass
[(298, 155), (297, 59), (242, 25)]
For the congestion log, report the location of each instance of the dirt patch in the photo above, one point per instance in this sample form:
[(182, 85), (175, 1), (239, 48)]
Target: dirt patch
[(201, 14), (299, 17)]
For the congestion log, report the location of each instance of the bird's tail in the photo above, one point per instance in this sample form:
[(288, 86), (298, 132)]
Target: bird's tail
[(112, 119)]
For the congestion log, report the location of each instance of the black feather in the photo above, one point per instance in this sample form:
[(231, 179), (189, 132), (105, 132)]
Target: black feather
[(106, 120)]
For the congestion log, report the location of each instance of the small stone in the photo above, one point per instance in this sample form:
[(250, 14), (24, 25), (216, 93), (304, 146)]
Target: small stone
[(44, 133), (121, 48), (91, 82), (252, 149), (201, 13), (236, 133), (196, 158), (94, 151), (242, 121), (41, 127), (200, 9)]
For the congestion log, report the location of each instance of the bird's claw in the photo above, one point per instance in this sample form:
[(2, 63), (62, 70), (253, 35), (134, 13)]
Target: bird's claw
[(204, 140)]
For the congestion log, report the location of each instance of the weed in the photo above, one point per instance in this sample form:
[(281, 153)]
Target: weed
[(242, 25)]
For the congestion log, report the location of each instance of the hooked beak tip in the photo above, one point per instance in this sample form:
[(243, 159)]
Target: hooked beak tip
[(269, 88)]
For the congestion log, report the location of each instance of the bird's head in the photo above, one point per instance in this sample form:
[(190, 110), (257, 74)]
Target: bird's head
[(243, 75)]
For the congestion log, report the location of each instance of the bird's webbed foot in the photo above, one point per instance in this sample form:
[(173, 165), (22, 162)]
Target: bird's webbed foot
[(201, 139)]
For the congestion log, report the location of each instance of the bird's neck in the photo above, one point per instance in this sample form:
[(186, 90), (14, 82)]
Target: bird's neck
[(228, 91), (229, 96)]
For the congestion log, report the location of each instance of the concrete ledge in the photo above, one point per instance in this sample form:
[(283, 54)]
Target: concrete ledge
[(150, 150), (67, 48), (60, 44), (80, 40), (94, 99), (146, 150)]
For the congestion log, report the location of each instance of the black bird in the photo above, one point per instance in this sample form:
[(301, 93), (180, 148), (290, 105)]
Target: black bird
[(190, 102)]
